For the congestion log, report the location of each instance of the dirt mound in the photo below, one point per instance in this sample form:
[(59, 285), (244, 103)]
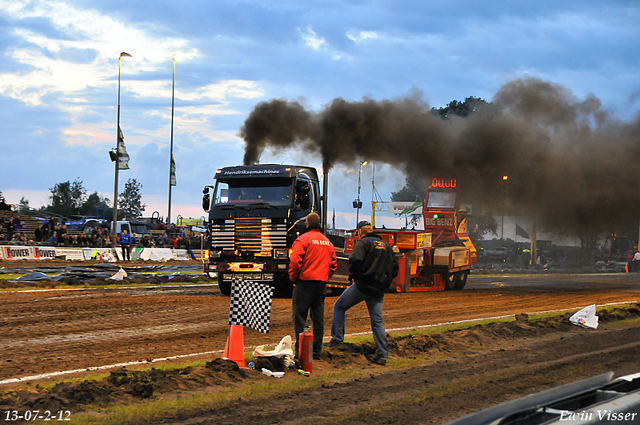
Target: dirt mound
[(126, 386)]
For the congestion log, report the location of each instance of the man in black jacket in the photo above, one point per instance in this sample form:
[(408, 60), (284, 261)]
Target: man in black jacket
[(372, 265)]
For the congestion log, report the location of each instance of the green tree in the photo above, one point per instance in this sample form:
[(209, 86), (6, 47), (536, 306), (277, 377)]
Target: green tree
[(130, 200), (480, 225), (98, 206), (67, 198), (470, 105), (23, 206)]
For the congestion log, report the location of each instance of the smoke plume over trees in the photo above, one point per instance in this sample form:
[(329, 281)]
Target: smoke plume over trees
[(567, 159)]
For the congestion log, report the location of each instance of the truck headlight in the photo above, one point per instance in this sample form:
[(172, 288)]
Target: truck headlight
[(215, 253), (280, 253), (268, 276), (282, 266)]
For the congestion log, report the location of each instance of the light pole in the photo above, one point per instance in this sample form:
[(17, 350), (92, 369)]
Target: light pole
[(171, 170), (357, 204), (504, 178), (117, 157)]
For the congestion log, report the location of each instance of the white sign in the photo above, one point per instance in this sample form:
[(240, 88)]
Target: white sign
[(70, 253), (17, 253), (405, 207), (44, 252)]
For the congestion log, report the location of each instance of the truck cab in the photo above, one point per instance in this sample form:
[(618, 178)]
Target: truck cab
[(254, 215)]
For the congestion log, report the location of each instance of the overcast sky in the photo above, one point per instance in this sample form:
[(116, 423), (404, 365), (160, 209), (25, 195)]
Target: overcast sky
[(59, 78)]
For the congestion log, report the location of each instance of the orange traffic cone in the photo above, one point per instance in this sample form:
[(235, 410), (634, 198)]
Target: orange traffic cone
[(234, 348)]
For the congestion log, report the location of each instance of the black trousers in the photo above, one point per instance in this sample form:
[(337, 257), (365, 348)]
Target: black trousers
[(308, 297), (125, 252)]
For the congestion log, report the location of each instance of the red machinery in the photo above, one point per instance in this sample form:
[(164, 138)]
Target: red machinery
[(438, 257)]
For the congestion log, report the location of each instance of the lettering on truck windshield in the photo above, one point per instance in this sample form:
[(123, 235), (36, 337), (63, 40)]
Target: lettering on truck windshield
[(241, 193)]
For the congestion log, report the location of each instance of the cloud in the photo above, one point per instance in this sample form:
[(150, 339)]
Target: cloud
[(359, 36), (82, 54), (311, 39)]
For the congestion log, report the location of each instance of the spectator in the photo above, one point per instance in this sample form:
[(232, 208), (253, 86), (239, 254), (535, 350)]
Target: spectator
[(10, 227), (313, 262), (52, 225), (125, 245), (372, 265), (62, 235)]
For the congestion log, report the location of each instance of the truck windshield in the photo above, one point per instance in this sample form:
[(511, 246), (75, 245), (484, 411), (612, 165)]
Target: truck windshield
[(247, 192), (441, 200), (139, 228)]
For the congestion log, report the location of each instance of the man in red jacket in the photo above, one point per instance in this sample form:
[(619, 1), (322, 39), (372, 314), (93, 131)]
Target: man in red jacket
[(313, 261)]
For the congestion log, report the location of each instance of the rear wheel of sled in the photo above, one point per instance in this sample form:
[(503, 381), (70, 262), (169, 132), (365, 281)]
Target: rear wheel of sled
[(450, 281), (461, 281)]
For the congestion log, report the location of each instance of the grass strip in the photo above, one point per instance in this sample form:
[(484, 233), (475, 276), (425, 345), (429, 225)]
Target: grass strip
[(188, 406)]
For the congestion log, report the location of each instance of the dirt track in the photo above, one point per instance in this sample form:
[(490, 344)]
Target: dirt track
[(49, 331)]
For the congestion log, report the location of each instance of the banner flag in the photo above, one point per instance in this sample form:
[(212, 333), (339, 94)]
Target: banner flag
[(521, 232), (250, 305), (123, 156), (173, 171)]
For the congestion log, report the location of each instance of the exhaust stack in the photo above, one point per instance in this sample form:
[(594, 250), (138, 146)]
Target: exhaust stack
[(325, 197)]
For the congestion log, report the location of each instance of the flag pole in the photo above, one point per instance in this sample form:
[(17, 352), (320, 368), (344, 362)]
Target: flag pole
[(117, 161), (173, 88)]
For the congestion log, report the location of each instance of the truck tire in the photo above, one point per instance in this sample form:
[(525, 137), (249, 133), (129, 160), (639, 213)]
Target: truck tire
[(450, 281), (225, 287), (462, 280)]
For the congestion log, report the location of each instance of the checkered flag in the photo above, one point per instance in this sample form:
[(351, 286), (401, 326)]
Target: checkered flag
[(250, 305)]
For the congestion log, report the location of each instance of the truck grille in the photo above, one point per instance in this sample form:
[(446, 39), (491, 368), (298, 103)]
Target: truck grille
[(249, 234)]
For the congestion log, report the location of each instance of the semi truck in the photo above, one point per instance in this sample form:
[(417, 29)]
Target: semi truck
[(254, 215), (256, 212)]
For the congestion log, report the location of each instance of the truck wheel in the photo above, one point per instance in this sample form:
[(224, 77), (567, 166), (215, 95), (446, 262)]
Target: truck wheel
[(450, 281), (225, 287), (462, 280)]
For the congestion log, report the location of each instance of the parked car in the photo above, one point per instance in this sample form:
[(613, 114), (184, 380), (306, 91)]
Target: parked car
[(497, 252)]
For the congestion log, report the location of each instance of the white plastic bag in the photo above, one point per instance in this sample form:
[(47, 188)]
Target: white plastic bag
[(282, 349), (274, 374), (586, 317), (119, 276)]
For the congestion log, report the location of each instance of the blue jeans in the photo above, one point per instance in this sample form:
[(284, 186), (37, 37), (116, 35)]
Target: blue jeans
[(348, 299)]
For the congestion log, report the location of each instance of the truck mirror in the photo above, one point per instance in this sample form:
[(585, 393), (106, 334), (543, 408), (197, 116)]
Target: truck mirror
[(206, 200)]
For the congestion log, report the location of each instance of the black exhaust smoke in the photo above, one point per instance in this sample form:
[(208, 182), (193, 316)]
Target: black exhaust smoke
[(566, 159)]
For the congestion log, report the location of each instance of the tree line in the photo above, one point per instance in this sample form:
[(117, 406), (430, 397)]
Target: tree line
[(72, 198)]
